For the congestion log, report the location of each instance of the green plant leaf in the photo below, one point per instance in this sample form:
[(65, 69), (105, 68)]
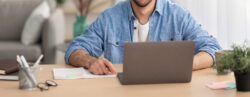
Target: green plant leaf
[(237, 61)]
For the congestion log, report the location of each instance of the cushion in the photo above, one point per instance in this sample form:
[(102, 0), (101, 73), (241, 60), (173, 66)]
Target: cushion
[(13, 14), (32, 29), (10, 49)]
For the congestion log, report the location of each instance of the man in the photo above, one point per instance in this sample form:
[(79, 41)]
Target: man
[(138, 21)]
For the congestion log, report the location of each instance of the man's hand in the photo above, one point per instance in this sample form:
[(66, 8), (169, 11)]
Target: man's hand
[(102, 66), (81, 58)]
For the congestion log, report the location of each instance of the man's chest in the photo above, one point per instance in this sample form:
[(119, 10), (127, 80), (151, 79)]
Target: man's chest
[(156, 32)]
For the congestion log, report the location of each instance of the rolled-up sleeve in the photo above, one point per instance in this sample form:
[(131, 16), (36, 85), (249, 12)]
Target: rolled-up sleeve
[(191, 30), (91, 41)]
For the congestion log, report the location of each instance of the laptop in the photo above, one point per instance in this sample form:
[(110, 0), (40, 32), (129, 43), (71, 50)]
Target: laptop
[(157, 62)]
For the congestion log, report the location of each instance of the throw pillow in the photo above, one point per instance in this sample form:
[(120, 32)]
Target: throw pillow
[(32, 28)]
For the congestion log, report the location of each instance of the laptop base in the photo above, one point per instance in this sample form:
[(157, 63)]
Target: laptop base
[(119, 75)]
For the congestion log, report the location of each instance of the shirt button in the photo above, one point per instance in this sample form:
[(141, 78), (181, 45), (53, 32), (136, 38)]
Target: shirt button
[(117, 43)]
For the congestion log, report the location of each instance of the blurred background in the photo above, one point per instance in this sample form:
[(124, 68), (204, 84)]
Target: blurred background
[(57, 22)]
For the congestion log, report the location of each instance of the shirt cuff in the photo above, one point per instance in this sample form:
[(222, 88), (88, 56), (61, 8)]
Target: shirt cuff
[(70, 51)]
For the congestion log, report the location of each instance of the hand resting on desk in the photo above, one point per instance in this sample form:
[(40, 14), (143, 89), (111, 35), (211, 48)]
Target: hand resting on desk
[(81, 58)]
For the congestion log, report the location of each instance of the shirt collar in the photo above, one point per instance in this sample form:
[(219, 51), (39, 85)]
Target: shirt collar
[(158, 9)]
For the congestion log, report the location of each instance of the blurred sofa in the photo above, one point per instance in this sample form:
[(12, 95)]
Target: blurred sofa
[(13, 15)]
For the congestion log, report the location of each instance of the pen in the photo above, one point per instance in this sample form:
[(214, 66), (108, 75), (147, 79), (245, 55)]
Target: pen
[(107, 68), (19, 61), (38, 60), (24, 62)]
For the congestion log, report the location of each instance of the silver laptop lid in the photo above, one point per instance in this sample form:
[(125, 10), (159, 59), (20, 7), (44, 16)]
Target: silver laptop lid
[(158, 62)]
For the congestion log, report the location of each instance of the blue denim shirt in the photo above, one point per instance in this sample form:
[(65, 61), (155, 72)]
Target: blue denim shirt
[(114, 27)]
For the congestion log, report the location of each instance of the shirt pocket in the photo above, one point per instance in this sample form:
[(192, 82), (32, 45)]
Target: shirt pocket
[(115, 51), (116, 43), (170, 37)]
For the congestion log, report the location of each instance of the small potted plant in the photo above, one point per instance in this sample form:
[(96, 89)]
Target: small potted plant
[(237, 61), (81, 23)]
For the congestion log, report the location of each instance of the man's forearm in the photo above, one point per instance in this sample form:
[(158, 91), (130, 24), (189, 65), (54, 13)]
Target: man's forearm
[(202, 60), (81, 58)]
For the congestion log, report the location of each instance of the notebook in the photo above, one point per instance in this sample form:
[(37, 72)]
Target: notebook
[(76, 73), (10, 77), (8, 66)]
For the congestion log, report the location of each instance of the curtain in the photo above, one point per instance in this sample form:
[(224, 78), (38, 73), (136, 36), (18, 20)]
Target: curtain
[(227, 20)]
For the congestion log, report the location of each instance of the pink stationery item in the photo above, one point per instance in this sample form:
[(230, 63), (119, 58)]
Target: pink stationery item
[(216, 86)]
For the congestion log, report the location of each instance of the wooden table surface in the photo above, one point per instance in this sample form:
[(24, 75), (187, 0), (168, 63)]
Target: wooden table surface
[(111, 87)]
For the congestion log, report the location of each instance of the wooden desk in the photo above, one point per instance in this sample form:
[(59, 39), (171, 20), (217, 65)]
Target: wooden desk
[(111, 87)]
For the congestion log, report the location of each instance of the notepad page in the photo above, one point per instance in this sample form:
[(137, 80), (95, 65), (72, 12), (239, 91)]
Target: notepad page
[(76, 73), (6, 77)]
